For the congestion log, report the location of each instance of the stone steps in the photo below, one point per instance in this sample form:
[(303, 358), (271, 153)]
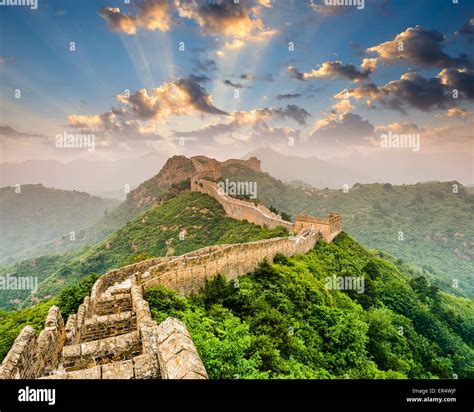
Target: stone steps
[(138, 367), (115, 303), (98, 352), (105, 326)]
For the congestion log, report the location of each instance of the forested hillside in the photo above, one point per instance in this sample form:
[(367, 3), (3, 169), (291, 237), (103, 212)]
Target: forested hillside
[(198, 217), (31, 215), (426, 224), (283, 322)]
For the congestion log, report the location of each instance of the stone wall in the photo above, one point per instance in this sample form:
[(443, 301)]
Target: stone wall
[(329, 227), (30, 357), (188, 273), (177, 354), (240, 209)]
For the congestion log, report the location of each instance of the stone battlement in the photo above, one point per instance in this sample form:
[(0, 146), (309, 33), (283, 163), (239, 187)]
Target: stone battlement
[(240, 209), (329, 227)]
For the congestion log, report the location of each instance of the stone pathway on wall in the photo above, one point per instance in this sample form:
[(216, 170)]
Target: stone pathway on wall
[(112, 336)]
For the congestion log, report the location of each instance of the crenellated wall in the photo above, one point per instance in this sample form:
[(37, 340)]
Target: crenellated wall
[(240, 209), (329, 227), (31, 357), (188, 273)]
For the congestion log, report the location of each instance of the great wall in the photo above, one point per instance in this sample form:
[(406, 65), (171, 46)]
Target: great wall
[(113, 335)]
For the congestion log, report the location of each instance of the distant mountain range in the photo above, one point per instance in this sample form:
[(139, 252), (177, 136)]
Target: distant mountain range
[(391, 167), (99, 177), (31, 215)]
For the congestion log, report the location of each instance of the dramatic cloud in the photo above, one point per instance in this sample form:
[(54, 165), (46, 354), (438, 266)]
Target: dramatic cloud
[(415, 91), (256, 120), (113, 124), (142, 108), (151, 15), (181, 97), (459, 79), (337, 70), (239, 22), (419, 46)]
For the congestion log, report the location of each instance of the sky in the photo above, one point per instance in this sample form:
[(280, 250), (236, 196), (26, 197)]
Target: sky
[(109, 80)]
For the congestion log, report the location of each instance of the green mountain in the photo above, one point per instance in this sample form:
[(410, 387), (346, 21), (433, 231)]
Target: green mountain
[(429, 224), (282, 321), (153, 233), (32, 215)]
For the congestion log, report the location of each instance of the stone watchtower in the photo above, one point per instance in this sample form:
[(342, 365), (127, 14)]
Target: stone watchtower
[(329, 227)]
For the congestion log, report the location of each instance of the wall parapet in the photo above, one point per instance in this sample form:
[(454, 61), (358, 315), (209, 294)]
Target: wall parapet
[(240, 209), (31, 357), (188, 273)]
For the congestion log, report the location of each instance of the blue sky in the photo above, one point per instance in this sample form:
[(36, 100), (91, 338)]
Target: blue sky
[(57, 83)]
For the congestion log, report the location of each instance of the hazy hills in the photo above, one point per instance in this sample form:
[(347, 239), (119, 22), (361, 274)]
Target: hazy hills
[(435, 224), (33, 214), (428, 224), (153, 233), (394, 167), (100, 177)]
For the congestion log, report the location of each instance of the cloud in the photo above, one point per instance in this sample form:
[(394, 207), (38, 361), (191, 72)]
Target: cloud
[(460, 79), (418, 46), (256, 120), (151, 15), (415, 91), (345, 129), (142, 108), (204, 65), (288, 96), (295, 73), (458, 112), (398, 128), (467, 30), (232, 84), (199, 78), (180, 97), (239, 22), (114, 124), (337, 70), (344, 106), (7, 131)]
